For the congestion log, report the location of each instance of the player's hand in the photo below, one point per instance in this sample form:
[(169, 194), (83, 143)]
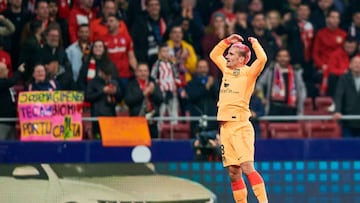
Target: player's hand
[(252, 39), (235, 38)]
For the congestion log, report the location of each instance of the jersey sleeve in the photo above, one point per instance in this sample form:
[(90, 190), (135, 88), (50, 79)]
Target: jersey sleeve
[(216, 55), (258, 65)]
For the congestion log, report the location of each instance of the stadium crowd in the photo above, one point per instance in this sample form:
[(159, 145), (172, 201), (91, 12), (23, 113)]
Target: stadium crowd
[(151, 57)]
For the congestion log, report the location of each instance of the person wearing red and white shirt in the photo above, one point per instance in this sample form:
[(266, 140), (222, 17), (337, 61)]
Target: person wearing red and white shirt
[(120, 49), (82, 14)]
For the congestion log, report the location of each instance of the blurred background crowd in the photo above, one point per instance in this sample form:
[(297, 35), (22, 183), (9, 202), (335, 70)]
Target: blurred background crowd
[(151, 58)]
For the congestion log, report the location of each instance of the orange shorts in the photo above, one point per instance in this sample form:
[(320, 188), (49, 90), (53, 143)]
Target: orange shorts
[(237, 142)]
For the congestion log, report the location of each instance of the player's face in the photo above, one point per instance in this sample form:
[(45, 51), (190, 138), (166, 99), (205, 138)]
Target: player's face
[(233, 58)]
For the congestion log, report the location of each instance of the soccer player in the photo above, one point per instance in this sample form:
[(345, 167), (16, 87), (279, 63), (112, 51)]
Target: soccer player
[(236, 131)]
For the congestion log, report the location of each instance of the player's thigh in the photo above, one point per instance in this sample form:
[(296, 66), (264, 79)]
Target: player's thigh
[(243, 142)]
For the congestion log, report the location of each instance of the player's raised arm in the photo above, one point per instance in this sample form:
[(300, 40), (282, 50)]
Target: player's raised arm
[(258, 65), (216, 54)]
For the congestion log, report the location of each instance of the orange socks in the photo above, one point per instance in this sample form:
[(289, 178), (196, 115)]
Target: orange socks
[(239, 191), (258, 186)]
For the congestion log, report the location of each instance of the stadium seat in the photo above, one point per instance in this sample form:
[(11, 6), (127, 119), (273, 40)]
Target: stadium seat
[(322, 129), (309, 107), (264, 129), (322, 104), (176, 131), (87, 126), (286, 130)]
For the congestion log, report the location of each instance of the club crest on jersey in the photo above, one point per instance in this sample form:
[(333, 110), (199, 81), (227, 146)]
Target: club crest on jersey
[(236, 72)]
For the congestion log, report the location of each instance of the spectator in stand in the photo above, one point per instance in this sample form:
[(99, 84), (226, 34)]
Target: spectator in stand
[(8, 101), (191, 23), (55, 71), (282, 87), (327, 40), (41, 14), (18, 16), (79, 50), (64, 8), (259, 30), (347, 98), (81, 14), (203, 92), (185, 59), (139, 7), (103, 93), (149, 29), (241, 21), (320, 13), (289, 8), (98, 26), (216, 31), (339, 64), (144, 97), (228, 9), (354, 27), (40, 82), (5, 57), (30, 52), (90, 68), (166, 76), (53, 46), (300, 34), (299, 41), (254, 7), (207, 8), (54, 18), (121, 52), (183, 53), (257, 110), (122, 10), (8, 27), (275, 25)]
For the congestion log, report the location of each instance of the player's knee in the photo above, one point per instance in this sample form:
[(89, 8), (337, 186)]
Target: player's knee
[(234, 173), (247, 167)]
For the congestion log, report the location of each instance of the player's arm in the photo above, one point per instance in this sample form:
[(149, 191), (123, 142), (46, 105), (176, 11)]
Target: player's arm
[(216, 54), (258, 65)]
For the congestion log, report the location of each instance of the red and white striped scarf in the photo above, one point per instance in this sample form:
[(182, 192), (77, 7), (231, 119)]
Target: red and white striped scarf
[(278, 90)]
